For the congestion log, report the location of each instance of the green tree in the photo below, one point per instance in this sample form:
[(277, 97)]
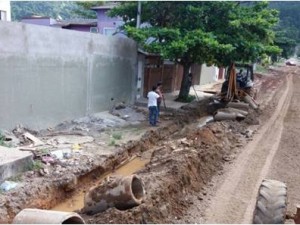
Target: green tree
[(62, 9), (84, 8), (54, 9), (202, 32), (289, 15), (288, 29), (287, 44), (249, 28)]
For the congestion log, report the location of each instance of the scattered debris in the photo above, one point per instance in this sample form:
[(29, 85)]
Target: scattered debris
[(62, 154), (35, 140), (8, 185), (120, 105), (70, 139), (48, 160), (44, 172)]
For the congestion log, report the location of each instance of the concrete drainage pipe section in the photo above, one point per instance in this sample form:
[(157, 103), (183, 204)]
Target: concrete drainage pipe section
[(38, 216), (120, 192), (219, 116)]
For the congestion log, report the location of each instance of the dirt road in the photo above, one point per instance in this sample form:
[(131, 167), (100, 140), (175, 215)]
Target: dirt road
[(273, 153)]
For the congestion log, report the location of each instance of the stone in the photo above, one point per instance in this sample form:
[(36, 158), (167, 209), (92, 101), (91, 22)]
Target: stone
[(200, 198), (120, 105)]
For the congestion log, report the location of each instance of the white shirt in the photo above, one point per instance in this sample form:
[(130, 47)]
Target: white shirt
[(152, 98)]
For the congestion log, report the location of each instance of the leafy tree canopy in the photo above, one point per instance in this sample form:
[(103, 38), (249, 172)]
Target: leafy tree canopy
[(62, 9), (54, 9), (288, 28), (202, 32), (84, 8)]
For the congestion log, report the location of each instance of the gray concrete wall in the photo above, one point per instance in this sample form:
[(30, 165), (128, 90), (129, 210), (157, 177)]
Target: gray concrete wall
[(50, 75)]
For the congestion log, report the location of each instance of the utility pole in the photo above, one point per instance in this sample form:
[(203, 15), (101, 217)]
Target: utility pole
[(138, 18)]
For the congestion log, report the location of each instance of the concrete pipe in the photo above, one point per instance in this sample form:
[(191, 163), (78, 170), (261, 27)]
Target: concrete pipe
[(249, 100), (205, 120), (120, 192), (38, 216), (227, 116), (238, 105), (243, 112)]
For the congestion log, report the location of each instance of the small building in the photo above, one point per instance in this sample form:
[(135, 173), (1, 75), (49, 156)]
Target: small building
[(107, 25), (5, 11)]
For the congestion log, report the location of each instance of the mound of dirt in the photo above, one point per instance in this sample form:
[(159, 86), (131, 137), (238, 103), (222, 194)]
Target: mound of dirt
[(179, 167)]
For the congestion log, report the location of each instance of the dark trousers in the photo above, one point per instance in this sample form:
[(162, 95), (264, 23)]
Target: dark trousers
[(152, 115), (158, 109)]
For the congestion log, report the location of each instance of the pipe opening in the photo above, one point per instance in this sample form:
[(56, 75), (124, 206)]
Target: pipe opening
[(137, 188), (73, 220)]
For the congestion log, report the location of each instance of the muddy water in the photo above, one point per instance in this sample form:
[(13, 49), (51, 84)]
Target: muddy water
[(76, 202)]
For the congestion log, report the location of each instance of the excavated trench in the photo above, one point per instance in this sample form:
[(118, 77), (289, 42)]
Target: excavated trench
[(50, 193), (176, 160), (76, 201)]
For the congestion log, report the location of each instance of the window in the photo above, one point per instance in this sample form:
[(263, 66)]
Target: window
[(94, 30), (2, 15), (109, 31)]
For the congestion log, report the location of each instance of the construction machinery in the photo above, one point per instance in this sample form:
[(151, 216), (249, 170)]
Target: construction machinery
[(238, 85), (239, 78)]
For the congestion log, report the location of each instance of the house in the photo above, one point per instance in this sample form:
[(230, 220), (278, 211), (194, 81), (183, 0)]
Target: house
[(85, 25), (107, 25), (5, 11), (39, 20)]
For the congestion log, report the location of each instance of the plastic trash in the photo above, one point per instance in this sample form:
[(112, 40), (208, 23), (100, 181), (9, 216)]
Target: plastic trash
[(8, 185), (61, 154)]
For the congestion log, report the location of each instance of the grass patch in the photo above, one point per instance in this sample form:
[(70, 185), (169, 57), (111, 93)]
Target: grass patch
[(112, 142), (2, 141), (17, 178), (45, 151), (187, 99), (261, 69), (117, 136), (36, 165)]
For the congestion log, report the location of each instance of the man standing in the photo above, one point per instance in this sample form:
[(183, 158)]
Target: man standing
[(152, 106)]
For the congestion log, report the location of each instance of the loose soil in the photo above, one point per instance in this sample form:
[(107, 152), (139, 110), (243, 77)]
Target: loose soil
[(195, 174)]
